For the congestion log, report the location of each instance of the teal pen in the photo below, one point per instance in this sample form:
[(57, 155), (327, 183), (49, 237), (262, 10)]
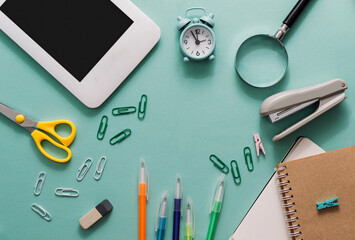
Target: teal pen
[(162, 215), (216, 205)]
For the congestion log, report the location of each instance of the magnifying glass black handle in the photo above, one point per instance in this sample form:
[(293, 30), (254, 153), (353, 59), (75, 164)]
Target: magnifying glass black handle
[(295, 12)]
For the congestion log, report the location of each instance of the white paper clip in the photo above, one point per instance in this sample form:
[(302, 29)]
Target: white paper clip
[(258, 144), (39, 183), (66, 192), (100, 167), (41, 211), (84, 169)]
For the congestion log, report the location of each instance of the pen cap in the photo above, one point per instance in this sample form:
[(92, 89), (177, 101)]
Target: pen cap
[(216, 203), (190, 218), (162, 212), (143, 178), (179, 194)]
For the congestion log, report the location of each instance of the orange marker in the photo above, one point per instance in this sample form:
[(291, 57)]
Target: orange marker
[(143, 192)]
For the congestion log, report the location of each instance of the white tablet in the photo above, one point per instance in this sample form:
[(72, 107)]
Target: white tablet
[(89, 46)]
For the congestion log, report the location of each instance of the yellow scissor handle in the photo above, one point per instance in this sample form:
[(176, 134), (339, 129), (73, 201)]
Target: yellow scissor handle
[(39, 136), (50, 128)]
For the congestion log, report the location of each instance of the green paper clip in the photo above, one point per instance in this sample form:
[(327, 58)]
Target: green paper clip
[(102, 128), (248, 158), (120, 137), (219, 164), (123, 110), (141, 111), (235, 172)]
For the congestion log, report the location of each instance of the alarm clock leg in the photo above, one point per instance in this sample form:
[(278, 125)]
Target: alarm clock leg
[(186, 59), (211, 58)]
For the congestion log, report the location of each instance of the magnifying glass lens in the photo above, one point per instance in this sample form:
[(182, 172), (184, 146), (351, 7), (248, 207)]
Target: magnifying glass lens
[(261, 61)]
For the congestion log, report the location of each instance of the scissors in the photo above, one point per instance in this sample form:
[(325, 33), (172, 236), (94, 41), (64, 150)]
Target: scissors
[(39, 136)]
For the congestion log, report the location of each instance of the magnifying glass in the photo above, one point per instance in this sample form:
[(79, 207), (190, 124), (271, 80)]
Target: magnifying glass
[(262, 59)]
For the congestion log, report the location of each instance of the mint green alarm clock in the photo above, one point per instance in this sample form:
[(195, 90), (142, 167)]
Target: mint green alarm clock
[(197, 39)]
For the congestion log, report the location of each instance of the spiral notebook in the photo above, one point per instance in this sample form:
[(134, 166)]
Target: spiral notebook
[(266, 213), (305, 182)]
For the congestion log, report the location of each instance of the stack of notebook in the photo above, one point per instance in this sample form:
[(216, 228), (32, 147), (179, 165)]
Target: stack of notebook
[(314, 177)]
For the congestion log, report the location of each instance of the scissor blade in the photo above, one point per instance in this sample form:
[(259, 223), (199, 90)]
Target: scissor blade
[(11, 114)]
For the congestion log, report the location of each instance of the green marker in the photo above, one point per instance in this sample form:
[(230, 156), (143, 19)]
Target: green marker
[(190, 220), (216, 205)]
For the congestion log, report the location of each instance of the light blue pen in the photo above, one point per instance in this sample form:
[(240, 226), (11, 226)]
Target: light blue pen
[(162, 215)]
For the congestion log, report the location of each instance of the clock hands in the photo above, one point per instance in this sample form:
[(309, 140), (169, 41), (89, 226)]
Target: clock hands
[(194, 35), (197, 42)]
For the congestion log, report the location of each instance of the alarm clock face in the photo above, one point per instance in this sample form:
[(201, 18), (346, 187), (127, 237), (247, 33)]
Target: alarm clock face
[(197, 42)]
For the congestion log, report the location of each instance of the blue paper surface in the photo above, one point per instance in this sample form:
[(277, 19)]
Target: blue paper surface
[(194, 110)]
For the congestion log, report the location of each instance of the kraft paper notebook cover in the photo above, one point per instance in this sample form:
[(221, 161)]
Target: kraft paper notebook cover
[(308, 181), (266, 213)]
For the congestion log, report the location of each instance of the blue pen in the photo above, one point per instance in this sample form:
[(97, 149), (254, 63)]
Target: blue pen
[(162, 215), (178, 207)]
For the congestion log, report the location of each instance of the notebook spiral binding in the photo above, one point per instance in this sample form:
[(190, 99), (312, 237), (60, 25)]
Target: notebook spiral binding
[(286, 198)]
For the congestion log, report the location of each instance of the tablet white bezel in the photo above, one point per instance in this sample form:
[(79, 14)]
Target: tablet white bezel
[(111, 70)]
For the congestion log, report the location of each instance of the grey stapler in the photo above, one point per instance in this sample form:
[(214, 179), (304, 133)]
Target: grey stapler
[(326, 95)]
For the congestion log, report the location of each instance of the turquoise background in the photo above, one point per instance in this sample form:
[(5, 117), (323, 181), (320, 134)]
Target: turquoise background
[(194, 109)]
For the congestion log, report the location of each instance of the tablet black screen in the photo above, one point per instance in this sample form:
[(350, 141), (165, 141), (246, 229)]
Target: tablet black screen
[(76, 33)]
